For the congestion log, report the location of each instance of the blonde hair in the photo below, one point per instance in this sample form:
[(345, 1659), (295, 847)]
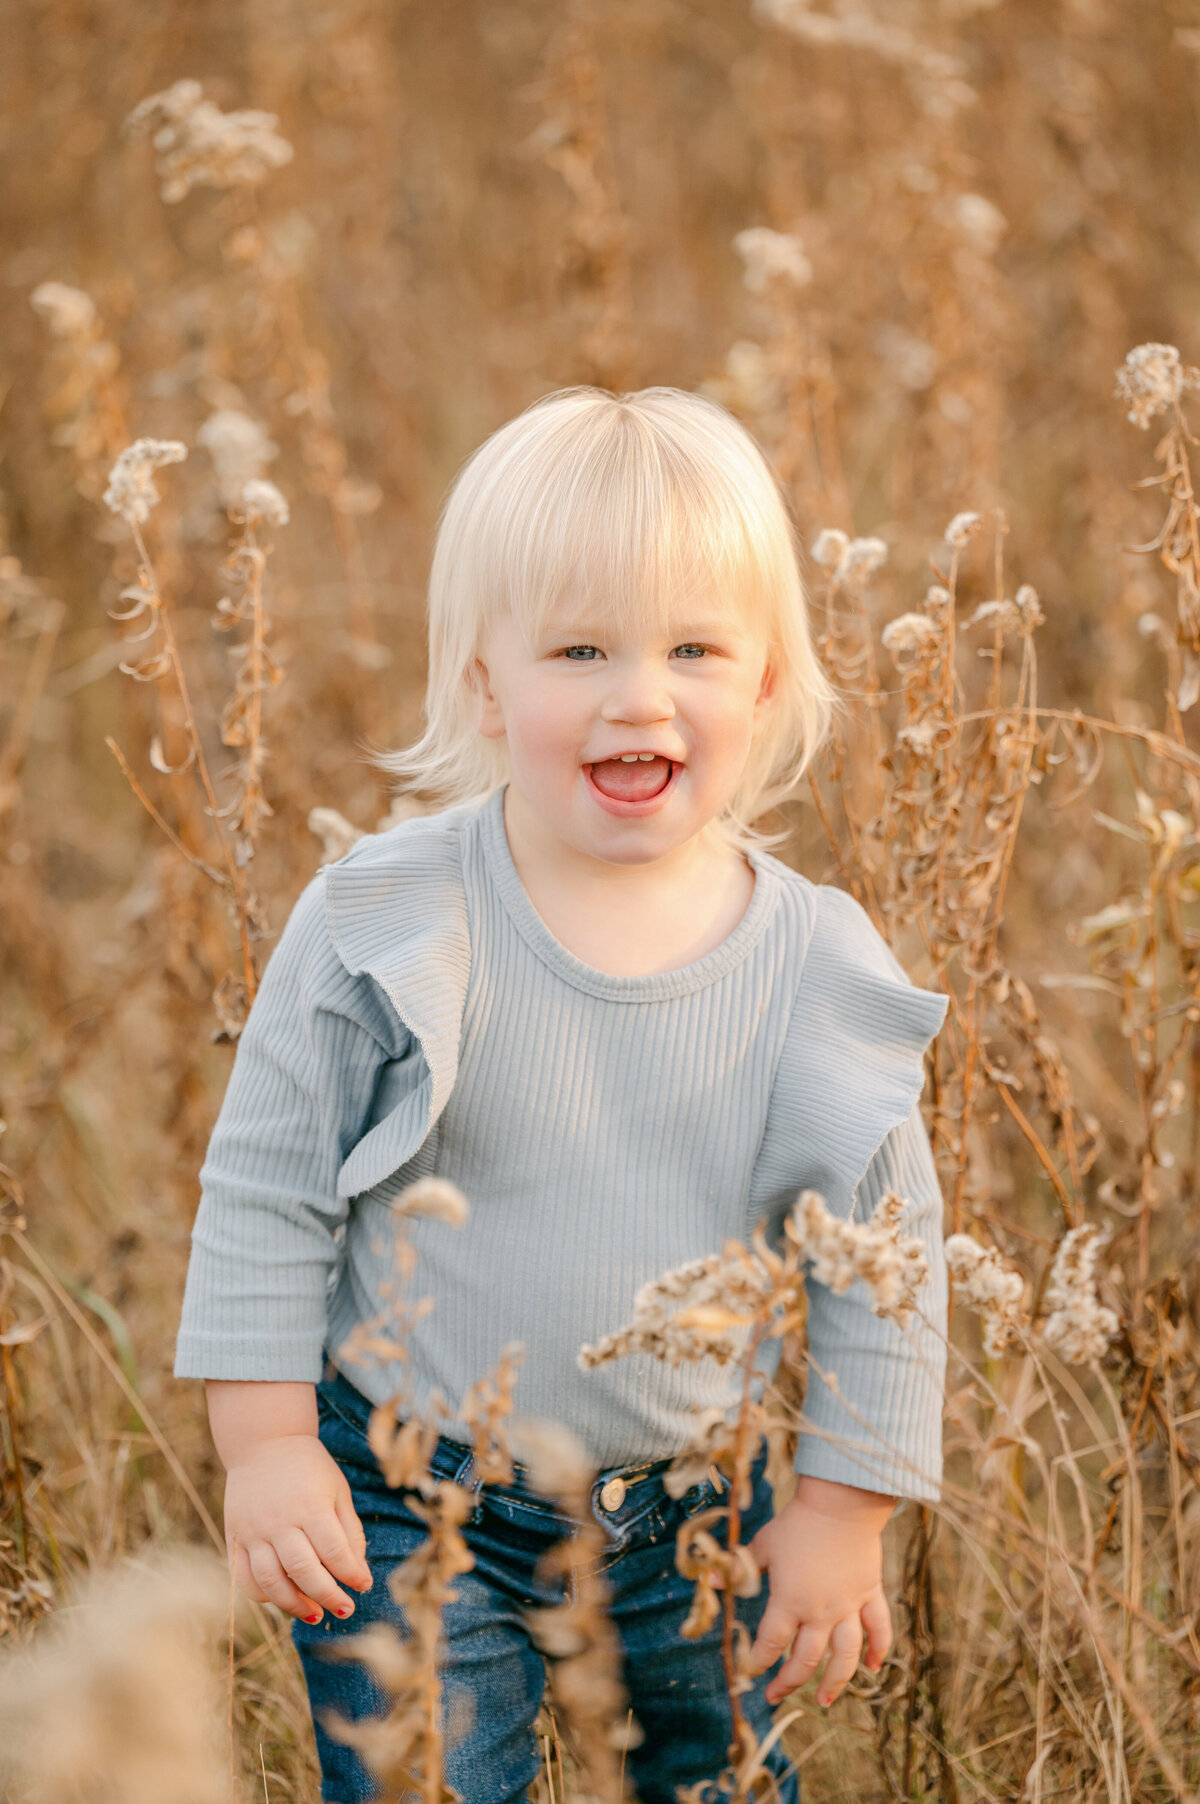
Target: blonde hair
[(629, 502)]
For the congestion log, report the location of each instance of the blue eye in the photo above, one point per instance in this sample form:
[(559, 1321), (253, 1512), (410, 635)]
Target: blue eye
[(587, 654)]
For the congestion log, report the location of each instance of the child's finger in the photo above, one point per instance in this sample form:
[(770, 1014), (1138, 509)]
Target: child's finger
[(244, 1579), (309, 1573), (845, 1646), (774, 1637), (806, 1657), (356, 1535), (335, 1552), (877, 1621), (270, 1576)]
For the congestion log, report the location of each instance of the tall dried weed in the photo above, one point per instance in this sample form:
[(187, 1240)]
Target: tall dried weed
[(943, 221)]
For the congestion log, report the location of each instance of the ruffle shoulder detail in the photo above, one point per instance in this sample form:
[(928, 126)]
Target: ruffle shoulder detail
[(396, 910), (852, 1064)]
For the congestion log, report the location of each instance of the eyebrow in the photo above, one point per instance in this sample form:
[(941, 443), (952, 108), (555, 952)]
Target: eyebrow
[(690, 629)]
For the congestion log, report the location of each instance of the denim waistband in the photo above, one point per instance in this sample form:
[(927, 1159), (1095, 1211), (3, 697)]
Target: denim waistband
[(363, 1405)]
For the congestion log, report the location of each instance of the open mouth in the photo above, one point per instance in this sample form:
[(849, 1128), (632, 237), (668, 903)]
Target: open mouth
[(634, 786)]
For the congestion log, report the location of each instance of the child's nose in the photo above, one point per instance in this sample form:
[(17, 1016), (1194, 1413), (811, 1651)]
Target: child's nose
[(639, 694)]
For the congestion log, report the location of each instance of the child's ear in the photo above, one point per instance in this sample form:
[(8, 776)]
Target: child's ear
[(489, 718), (767, 688)]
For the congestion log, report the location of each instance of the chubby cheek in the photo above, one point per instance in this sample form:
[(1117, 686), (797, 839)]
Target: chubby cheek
[(545, 742), (723, 737)]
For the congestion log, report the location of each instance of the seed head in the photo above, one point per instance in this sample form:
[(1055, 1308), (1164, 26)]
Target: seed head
[(909, 634), (69, 312), (937, 599), (863, 558), (199, 144), (749, 383), (131, 491), (1153, 379), (433, 1196), (766, 254), (1078, 1327), (1029, 607), (920, 737), (987, 1284), (892, 1265), (960, 529), (1004, 615), (935, 77), (981, 223), (849, 560), (239, 447), (913, 361), (263, 501), (830, 548), (700, 1308)]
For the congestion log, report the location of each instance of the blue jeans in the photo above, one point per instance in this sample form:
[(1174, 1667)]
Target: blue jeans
[(676, 1687)]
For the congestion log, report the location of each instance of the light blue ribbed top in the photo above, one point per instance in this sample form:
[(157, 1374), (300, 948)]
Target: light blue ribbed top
[(418, 1017)]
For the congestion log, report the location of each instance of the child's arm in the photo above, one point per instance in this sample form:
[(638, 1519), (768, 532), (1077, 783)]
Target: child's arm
[(254, 1315), (290, 1524), (880, 1425), (823, 1550), (299, 1097)]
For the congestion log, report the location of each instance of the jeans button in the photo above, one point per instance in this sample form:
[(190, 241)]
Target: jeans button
[(613, 1494)]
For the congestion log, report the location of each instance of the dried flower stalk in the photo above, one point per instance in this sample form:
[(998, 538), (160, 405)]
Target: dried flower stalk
[(724, 1307), (581, 1645)]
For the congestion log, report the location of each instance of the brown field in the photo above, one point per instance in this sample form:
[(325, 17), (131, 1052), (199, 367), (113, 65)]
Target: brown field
[(987, 204)]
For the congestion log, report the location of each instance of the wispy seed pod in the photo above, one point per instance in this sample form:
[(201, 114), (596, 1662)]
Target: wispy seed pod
[(830, 548), (69, 312), (767, 255), (1078, 1327), (199, 144), (261, 500), (131, 491), (1153, 379), (909, 634), (960, 529), (436, 1197)]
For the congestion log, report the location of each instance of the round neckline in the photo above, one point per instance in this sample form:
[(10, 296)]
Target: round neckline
[(652, 986)]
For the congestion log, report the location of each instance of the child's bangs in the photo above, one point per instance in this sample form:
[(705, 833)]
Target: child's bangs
[(651, 512), (632, 534)]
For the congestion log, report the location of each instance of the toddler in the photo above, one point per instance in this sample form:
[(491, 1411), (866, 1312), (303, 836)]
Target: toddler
[(586, 993)]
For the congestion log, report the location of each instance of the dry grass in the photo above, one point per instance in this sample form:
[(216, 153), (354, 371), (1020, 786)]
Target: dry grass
[(912, 247)]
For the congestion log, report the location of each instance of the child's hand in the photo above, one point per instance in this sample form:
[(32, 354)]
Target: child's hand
[(824, 1558), (293, 1528)]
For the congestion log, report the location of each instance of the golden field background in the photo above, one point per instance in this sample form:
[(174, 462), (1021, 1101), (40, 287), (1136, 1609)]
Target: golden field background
[(996, 203)]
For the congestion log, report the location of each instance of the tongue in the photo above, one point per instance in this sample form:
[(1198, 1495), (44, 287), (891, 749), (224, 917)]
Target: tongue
[(631, 782)]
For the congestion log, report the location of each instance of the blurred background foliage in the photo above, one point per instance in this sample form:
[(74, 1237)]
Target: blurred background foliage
[(991, 201)]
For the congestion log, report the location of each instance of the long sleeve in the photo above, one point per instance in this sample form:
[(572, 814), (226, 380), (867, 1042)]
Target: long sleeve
[(264, 1242), (892, 1377)]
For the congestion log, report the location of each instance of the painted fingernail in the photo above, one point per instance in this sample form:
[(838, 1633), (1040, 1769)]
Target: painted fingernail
[(315, 1618), (344, 1610)]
